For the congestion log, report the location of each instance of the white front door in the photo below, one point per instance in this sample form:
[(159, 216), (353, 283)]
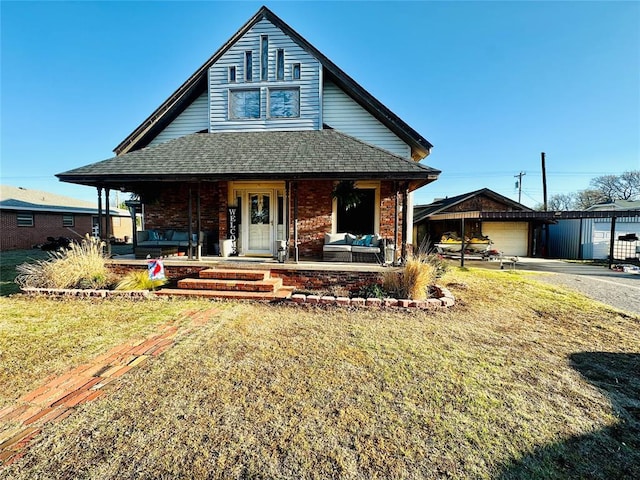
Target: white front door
[(260, 223)]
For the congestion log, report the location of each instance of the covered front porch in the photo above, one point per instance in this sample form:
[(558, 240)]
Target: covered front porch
[(259, 192)]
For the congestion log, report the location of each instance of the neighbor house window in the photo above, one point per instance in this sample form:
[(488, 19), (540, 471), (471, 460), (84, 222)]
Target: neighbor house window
[(232, 74), (295, 71), (284, 102), (248, 66), (25, 219), (244, 104), (280, 64), (264, 57), (67, 220)]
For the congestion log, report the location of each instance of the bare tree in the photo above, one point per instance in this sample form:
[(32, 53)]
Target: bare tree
[(586, 198), (561, 201), (619, 187)]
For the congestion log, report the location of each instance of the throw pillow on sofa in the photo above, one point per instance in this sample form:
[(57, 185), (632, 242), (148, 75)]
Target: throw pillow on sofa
[(180, 236)]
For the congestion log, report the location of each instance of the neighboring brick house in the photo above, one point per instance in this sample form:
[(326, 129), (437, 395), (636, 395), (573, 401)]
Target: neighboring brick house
[(28, 217), (264, 131)]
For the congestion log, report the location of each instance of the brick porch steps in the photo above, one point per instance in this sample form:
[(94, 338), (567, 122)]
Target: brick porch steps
[(236, 284)]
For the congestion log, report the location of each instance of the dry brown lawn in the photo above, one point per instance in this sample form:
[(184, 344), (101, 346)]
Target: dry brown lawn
[(519, 380)]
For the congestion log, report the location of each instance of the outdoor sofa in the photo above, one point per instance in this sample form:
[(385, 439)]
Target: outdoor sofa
[(346, 247), (162, 243)]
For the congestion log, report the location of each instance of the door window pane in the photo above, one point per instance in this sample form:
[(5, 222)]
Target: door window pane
[(259, 209)]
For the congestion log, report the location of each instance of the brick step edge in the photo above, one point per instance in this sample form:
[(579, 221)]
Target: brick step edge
[(445, 301)]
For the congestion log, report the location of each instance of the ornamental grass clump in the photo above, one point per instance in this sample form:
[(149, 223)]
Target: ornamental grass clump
[(81, 266), (139, 280), (414, 280)]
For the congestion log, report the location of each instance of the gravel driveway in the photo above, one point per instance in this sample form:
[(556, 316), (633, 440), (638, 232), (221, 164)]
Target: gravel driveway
[(618, 289)]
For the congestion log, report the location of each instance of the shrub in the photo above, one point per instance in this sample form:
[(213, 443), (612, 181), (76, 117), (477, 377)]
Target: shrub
[(372, 291), (139, 280), (81, 266), (414, 280)]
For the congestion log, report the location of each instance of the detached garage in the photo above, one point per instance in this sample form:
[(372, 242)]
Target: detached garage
[(508, 231), (510, 238)]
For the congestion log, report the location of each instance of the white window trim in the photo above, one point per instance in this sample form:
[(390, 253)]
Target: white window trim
[(68, 216), (269, 90), (25, 215), (359, 184), (244, 119)]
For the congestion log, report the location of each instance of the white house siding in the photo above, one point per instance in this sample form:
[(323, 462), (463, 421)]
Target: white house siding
[(195, 118), (309, 82), (510, 238), (344, 114)]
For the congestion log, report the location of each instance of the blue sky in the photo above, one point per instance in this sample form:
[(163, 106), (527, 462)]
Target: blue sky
[(490, 84)]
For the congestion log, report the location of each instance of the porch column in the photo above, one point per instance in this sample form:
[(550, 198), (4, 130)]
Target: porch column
[(190, 229), (395, 223), (198, 227), (295, 222), (405, 214), (100, 213), (287, 213), (107, 221)]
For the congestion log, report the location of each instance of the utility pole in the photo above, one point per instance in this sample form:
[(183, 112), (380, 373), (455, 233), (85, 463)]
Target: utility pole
[(519, 185), (544, 181)]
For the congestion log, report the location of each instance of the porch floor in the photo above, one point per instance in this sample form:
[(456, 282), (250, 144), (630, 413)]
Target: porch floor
[(266, 263)]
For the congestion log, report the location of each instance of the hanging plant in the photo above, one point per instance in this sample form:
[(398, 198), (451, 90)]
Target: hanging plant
[(347, 194)]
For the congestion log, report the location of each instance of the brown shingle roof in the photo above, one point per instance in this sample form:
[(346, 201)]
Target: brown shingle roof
[(311, 154)]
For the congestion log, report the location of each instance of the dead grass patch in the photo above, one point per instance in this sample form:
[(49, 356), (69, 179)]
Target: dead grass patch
[(489, 389), (41, 336)]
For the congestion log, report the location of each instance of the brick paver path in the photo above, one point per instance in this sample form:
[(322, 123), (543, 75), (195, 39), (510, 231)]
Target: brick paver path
[(58, 398)]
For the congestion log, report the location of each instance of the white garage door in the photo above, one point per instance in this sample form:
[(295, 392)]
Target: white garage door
[(510, 238)]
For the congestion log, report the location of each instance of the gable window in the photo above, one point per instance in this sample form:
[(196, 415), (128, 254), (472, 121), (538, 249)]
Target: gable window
[(248, 66), (232, 74), (244, 103), (25, 219), (284, 102), (280, 64), (295, 71), (264, 57), (68, 220)]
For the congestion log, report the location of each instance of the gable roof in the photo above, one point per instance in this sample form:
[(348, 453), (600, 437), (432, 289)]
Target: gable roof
[(196, 84), (441, 205), (27, 200), (615, 205), (307, 154)]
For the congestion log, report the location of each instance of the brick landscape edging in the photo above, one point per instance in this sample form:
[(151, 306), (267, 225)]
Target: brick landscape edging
[(80, 292), (445, 300)]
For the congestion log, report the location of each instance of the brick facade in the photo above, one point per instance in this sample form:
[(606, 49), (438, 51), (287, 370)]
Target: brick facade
[(315, 210), (49, 224)]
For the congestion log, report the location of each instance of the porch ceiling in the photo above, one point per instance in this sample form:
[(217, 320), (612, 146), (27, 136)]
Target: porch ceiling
[(312, 154)]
